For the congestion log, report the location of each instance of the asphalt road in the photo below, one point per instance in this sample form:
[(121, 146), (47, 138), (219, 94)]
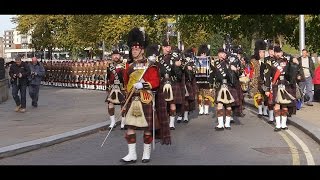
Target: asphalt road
[(250, 142)]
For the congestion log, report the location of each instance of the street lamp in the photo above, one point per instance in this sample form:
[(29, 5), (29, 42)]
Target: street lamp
[(301, 33)]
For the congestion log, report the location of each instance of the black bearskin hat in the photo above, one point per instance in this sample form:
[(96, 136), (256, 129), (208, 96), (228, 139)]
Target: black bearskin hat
[(203, 49), (137, 37), (260, 45)]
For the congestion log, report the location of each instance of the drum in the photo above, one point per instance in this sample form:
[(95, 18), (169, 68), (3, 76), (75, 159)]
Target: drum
[(202, 69), (244, 82)]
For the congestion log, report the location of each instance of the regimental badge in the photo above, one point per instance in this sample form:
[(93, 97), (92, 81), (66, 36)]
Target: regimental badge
[(116, 81), (166, 76)]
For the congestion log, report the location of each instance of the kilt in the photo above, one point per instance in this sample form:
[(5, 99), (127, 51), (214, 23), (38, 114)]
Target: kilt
[(148, 113), (288, 88), (162, 118), (192, 90), (233, 92), (178, 92)]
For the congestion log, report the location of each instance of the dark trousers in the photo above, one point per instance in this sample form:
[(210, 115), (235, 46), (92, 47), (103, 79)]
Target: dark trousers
[(34, 94), (23, 91)]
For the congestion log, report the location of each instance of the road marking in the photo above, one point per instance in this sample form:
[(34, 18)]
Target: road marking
[(307, 152), (293, 149)]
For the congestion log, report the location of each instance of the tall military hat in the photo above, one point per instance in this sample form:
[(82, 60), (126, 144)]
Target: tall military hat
[(203, 49), (259, 45), (138, 37)]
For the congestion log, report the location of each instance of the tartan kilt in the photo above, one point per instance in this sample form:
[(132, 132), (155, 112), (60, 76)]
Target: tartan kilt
[(239, 94), (191, 88), (178, 91), (275, 92), (233, 92), (148, 113), (162, 118)]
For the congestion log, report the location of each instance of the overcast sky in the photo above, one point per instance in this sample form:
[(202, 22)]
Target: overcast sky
[(5, 23)]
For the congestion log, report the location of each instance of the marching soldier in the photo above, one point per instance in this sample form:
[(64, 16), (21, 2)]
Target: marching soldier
[(171, 73), (190, 84), (257, 81), (141, 78), (224, 99), (267, 101), (205, 93), (279, 78), (115, 87)]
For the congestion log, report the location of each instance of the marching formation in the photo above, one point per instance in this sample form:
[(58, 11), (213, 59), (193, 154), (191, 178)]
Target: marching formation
[(160, 85)]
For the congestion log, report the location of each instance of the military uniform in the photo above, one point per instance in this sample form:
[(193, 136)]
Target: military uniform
[(190, 85), (140, 103), (280, 79), (115, 89), (170, 82), (256, 84), (225, 95)]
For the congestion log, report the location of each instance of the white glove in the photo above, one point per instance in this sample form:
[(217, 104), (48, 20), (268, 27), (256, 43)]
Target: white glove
[(138, 85)]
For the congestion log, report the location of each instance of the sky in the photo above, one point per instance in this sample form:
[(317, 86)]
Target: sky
[(5, 23)]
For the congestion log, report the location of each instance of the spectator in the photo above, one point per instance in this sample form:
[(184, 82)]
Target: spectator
[(19, 72), (316, 82), (36, 74), (305, 75)]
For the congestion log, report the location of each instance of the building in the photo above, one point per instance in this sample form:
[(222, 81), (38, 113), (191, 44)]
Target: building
[(8, 39), (1, 47), (17, 44)]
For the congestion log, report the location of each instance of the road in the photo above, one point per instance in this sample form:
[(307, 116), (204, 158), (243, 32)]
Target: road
[(251, 141)]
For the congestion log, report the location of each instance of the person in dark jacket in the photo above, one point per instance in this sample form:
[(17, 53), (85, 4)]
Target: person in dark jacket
[(19, 72), (306, 74), (37, 72)]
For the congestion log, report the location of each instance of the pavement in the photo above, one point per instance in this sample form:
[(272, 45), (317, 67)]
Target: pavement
[(65, 113), (307, 119)]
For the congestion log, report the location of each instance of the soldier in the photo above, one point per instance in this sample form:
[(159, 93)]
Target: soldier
[(235, 88), (223, 73), (85, 75), (115, 87), (279, 78), (205, 95), (170, 77), (256, 84), (104, 73), (141, 78), (267, 101), (190, 84)]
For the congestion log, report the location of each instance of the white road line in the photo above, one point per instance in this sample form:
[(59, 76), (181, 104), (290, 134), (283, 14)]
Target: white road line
[(307, 152), (304, 147)]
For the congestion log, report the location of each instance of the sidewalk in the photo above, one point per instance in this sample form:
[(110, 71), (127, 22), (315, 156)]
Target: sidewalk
[(307, 119), (60, 116)]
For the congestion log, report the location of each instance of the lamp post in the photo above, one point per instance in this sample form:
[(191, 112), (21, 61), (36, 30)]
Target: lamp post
[(301, 33)]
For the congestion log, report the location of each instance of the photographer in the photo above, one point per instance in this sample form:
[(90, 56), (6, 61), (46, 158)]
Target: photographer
[(19, 71), (37, 73)]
